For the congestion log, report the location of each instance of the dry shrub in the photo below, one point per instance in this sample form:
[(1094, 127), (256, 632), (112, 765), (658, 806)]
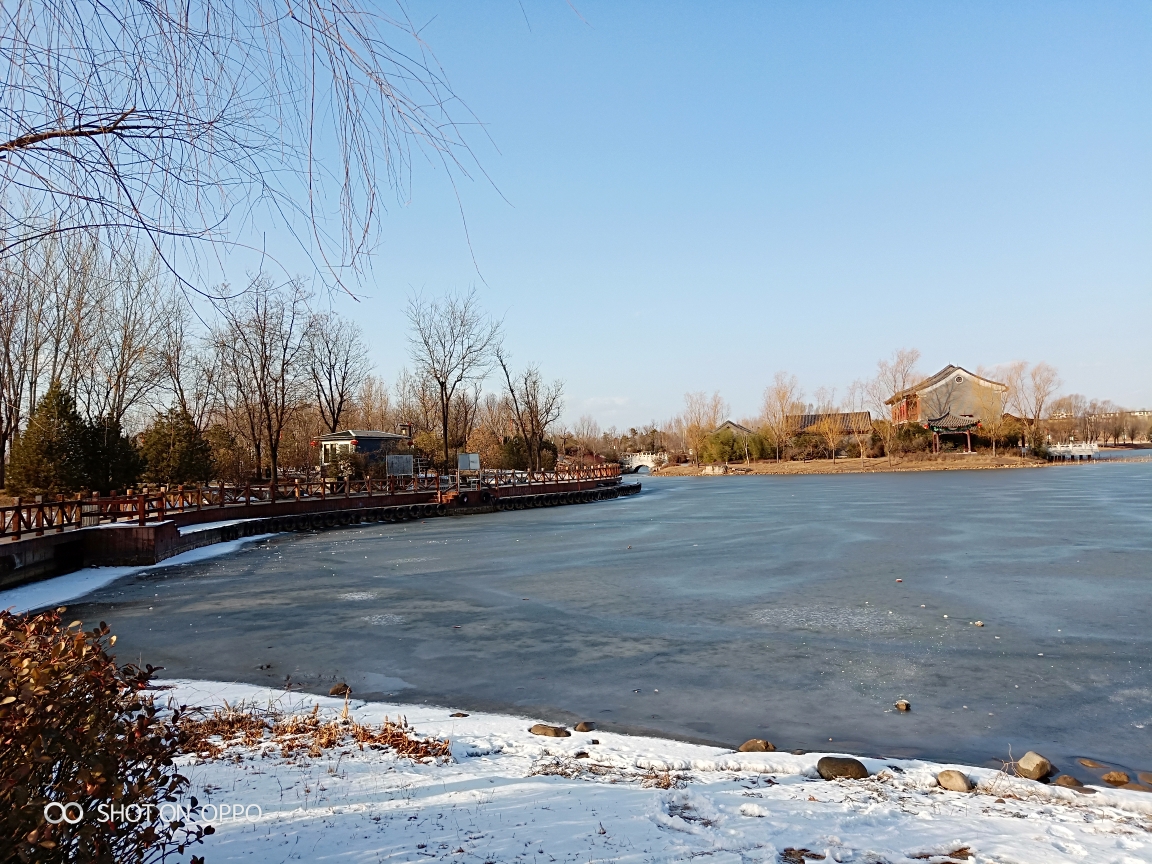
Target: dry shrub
[(663, 780), (244, 725), (550, 765), (232, 726), (75, 727)]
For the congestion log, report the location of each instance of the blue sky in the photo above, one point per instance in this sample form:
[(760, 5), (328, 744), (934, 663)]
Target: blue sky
[(693, 196)]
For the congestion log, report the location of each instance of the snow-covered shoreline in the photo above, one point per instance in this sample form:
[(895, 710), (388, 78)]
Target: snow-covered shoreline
[(61, 589), (508, 795)]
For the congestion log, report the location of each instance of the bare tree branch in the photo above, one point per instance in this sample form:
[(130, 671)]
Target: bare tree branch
[(197, 122)]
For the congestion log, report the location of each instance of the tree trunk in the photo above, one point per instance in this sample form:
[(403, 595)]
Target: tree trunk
[(444, 406)]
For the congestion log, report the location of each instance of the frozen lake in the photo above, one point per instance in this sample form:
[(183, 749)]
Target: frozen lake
[(745, 607)]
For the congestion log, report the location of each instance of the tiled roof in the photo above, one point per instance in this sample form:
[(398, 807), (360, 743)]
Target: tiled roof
[(952, 423), (735, 427), (943, 375), (847, 421), (349, 434)]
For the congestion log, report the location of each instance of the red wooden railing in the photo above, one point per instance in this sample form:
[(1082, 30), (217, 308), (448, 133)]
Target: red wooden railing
[(58, 513)]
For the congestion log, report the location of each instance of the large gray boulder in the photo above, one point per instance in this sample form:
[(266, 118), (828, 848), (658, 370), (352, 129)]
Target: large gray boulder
[(550, 731), (1033, 766), (756, 745), (834, 767), (953, 780)]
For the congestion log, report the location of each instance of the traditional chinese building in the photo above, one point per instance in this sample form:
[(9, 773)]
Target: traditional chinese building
[(952, 391), (954, 401)]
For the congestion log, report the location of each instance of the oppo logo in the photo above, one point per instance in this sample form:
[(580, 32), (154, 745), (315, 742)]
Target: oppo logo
[(73, 813), (55, 813)]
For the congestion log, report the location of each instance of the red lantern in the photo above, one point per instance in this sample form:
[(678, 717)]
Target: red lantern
[(353, 442)]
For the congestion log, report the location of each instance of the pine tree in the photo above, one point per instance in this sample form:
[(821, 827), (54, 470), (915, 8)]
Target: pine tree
[(111, 459), (176, 451), (48, 457)]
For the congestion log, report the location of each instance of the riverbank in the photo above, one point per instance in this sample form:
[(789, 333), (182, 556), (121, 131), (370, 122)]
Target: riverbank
[(509, 795), (915, 462)]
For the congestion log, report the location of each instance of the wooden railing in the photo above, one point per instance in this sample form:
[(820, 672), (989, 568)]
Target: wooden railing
[(500, 479), (48, 514)]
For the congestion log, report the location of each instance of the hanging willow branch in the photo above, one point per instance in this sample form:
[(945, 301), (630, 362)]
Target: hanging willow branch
[(201, 122)]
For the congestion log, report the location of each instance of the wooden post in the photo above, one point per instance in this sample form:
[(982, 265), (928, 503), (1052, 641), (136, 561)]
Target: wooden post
[(247, 494), (163, 507), (296, 488), (17, 514), (141, 508)]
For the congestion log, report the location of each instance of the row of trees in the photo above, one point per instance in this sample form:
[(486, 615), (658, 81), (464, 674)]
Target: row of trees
[(97, 344), (1028, 411)]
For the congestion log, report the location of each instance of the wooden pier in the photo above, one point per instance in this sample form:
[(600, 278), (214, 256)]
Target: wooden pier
[(45, 538)]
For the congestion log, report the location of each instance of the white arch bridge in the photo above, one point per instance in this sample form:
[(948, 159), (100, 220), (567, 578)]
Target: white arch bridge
[(630, 463)]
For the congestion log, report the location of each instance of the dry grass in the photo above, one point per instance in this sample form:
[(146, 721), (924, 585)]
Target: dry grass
[(249, 726), (550, 765)]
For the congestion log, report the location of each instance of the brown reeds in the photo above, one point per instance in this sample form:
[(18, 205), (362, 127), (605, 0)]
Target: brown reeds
[(210, 735)]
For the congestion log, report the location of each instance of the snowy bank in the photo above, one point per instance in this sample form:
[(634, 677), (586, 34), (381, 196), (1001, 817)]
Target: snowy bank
[(508, 795), (61, 589)]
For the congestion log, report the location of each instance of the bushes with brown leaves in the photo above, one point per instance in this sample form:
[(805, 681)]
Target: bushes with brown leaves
[(77, 728)]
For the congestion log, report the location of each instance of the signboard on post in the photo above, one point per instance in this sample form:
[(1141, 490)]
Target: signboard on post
[(468, 461), (399, 466)]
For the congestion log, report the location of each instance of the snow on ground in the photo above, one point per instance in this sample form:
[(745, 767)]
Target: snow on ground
[(510, 796), (208, 526), (61, 589)]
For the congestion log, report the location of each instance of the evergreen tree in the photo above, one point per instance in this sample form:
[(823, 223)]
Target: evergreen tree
[(48, 457), (176, 451), (111, 459)]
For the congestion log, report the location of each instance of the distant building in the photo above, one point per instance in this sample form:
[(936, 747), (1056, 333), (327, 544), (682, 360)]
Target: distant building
[(848, 422), (953, 400), (735, 428), (366, 441)]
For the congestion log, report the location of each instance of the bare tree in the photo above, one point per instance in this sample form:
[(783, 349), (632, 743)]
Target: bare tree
[(201, 121), (857, 403), (121, 365), (337, 364), (452, 343), (1030, 389), (70, 312), (189, 363), (990, 402), (418, 402), (586, 433), (893, 376), (828, 425), (780, 400), (535, 406), (373, 405), (260, 339), (702, 414)]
